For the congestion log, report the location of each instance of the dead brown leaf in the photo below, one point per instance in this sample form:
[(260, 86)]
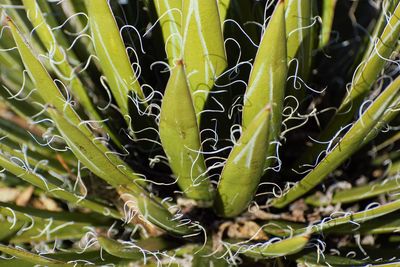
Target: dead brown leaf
[(25, 196), (246, 230), (45, 203), (8, 194)]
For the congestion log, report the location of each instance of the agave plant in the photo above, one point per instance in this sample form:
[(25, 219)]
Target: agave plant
[(199, 133)]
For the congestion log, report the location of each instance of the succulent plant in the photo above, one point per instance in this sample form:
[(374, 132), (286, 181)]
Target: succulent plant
[(199, 133)]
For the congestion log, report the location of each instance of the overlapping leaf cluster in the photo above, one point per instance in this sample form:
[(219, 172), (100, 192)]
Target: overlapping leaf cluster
[(199, 132)]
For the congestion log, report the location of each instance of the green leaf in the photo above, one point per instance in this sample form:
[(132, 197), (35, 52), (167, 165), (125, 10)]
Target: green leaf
[(391, 264), (87, 218), (181, 139), (300, 31), (281, 228), (268, 78), (112, 54), (313, 259), (363, 79), (223, 7), (59, 60), (15, 263), (350, 143), (245, 164), (31, 257), (387, 8), (299, 25), (16, 135), (151, 210), (100, 164), (47, 37), (120, 250), (9, 62), (389, 115), (208, 257), (134, 251), (352, 218), (270, 250), (394, 168), (23, 24), (9, 228), (358, 193), (40, 182), (203, 47), (41, 78), (31, 158), (328, 13), (96, 257), (170, 18), (389, 141), (22, 109), (96, 156), (384, 225), (47, 230)]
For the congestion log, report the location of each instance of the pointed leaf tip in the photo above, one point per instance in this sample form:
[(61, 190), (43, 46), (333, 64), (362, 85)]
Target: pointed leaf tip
[(243, 169)]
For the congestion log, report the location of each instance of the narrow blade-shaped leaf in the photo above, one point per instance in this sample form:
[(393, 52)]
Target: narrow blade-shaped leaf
[(268, 77), (299, 23), (59, 59), (367, 74), (112, 54), (313, 259), (270, 250), (31, 257), (115, 248), (223, 7), (203, 47), (180, 137), (363, 79), (328, 13), (54, 190), (242, 171), (358, 193), (352, 218), (350, 143), (169, 13), (388, 7)]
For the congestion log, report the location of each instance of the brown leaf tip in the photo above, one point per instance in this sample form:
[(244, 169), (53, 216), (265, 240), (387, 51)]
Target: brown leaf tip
[(6, 20), (179, 62), (267, 107)]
